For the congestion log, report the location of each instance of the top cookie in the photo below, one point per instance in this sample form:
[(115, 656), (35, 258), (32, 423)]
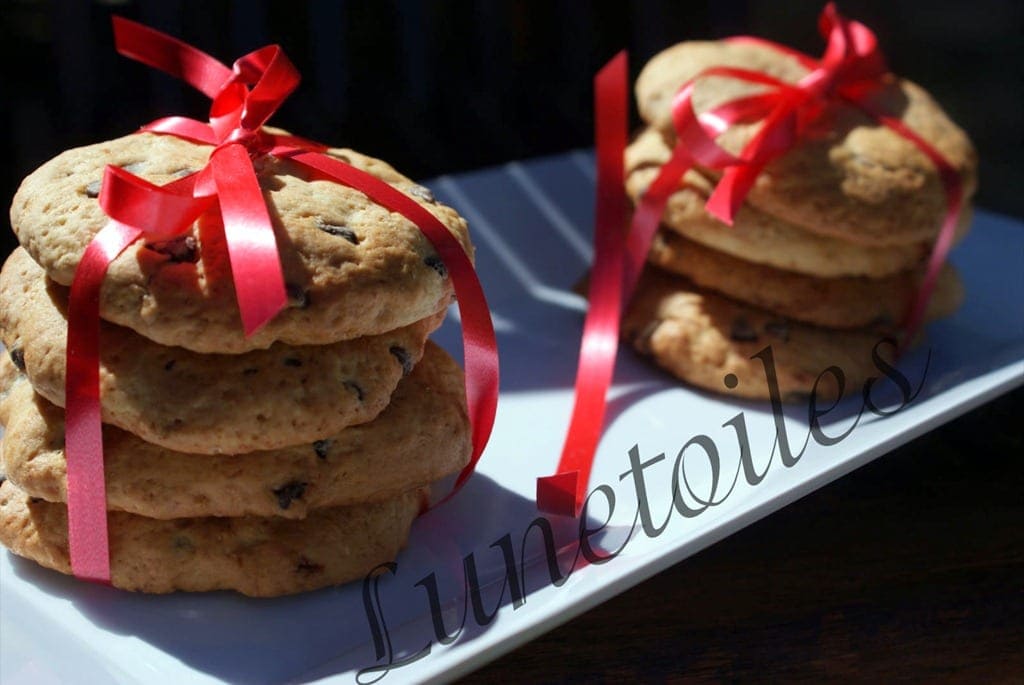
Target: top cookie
[(352, 267), (849, 176)]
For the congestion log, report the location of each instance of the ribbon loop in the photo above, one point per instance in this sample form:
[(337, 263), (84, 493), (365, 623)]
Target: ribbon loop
[(161, 212)]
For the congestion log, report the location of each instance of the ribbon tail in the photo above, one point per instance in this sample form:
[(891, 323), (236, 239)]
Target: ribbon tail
[(249, 234), (648, 213), (919, 307), (479, 344), (168, 54), (952, 186), (88, 543), (728, 195), (564, 492)]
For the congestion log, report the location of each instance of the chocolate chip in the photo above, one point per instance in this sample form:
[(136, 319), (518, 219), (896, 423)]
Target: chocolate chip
[(307, 566), (17, 357), (35, 500), (422, 193), (403, 357), (322, 447), (779, 328), (180, 250), (742, 331), (354, 387), (642, 338), (340, 231), (182, 542), (298, 297), (883, 321), (251, 371), (291, 361), (290, 491), (170, 365), (437, 265), (3, 478), (92, 189)]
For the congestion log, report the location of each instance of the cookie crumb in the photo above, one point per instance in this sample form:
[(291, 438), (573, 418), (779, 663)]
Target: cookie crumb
[(423, 193)]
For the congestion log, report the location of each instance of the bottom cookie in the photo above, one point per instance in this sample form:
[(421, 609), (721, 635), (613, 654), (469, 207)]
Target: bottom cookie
[(259, 557), (724, 346)]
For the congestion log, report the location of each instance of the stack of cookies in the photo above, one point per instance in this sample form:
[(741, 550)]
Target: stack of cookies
[(290, 460), (827, 252)]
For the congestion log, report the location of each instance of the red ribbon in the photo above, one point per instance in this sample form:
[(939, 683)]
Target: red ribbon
[(244, 97), (849, 71), (565, 491)]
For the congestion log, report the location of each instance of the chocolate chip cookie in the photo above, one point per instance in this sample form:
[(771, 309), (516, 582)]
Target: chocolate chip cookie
[(422, 436), (256, 556), (208, 403), (351, 267)]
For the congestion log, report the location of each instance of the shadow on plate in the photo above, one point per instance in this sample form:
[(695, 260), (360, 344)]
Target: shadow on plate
[(483, 551)]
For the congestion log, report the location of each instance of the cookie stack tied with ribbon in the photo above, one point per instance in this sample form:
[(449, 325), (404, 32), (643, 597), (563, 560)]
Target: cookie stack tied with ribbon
[(267, 449), (791, 221), (834, 213)]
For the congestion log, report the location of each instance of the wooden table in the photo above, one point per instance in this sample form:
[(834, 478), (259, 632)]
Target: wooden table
[(911, 568)]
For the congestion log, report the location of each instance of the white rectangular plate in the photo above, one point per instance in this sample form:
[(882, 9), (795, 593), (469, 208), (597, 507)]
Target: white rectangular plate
[(531, 224)]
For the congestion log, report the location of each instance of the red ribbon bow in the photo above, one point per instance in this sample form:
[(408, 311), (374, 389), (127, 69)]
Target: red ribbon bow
[(850, 70), (244, 98)]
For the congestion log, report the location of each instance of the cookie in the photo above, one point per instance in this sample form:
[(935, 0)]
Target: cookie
[(847, 302), (351, 267), (208, 403), (756, 236), (260, 557), (708, 341), (422, 436), (848, 176)]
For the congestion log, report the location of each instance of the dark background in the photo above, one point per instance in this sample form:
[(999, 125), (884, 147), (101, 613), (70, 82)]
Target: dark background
[(885, 575), (443, 86)]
